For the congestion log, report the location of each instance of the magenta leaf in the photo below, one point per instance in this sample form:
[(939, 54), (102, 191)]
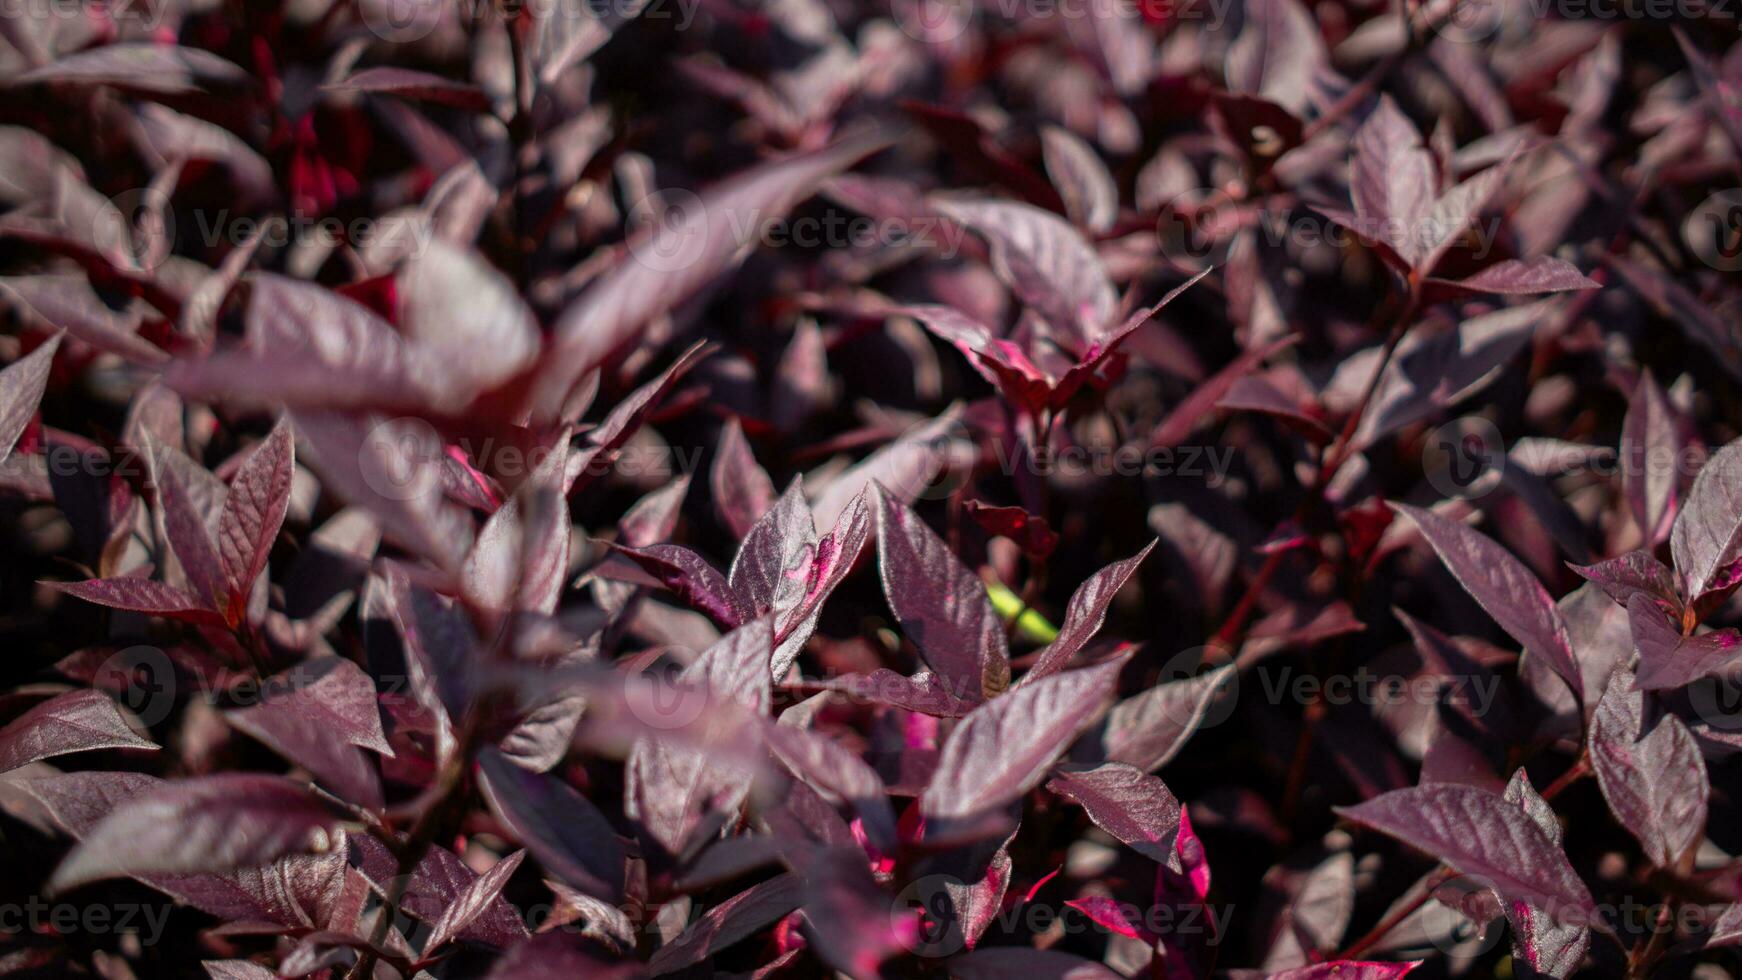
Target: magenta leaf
[(837, 774), (690, 578), (1090, 196), (671, 787), (1483, 836), (943, 607), (1046, 262), (1504, 588), (1391, 180), (141, 595), (207, 823), (1652, 774), (1148, 729), (654, 516), (1706, 539), (742, 490), (190, 537), (1128, 803), (1637, 573), (1516, 277), (570, 837), (1549, 948), (676, 259), (253, 512), (21, 386), (77, 721), (1084, 616), (1650, 452), (420, 85), (769, 572), (391, 468), (728, 922), (472, 901), (1346, 970), (1005, 747), (1667, 659), (853, 924)]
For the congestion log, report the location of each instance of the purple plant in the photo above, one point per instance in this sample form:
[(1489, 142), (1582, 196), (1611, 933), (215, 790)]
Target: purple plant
[(695, 487)]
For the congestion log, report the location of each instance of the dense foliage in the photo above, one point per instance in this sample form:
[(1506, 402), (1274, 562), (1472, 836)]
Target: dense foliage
[(978, 488)]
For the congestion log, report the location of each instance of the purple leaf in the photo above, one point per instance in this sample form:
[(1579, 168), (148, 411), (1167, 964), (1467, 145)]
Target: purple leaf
[(1546, 946), (671, 786), (852, 924), (392, 469), (678, 258), (466, 317), (1346, 970), (737, 918), (1148, 729), (1655, 781), (1515, 277), (1667, 659), (836, 774), (253, 512), (191, 539), (943, 607), (1504, 588), (520, 560), (1637, 573), (77, 721), (1084, 616), (1006, 746), (1706, 539), (829, 562), (742, 490), (1090, 196), (141, 595), (691, 579), (1391, 180), (21, 388), (409, 84), (163, 69), (769, 571), (1650, 452), (904, 469), (1483, 836), (473, 901), (566, 832), (654, 516), (1046, 263), (1128, 803), (207, 823)]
